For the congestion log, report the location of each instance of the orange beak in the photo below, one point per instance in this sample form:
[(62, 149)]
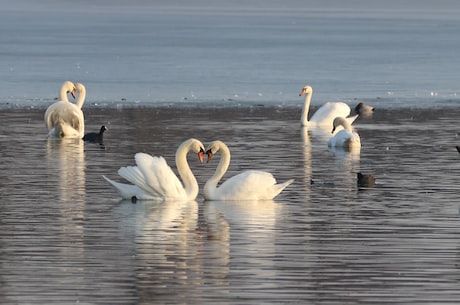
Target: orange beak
[(200, 156), (73, 93), (302, 92), (210, 154)]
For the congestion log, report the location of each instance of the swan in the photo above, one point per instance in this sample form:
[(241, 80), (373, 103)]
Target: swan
[(63, 118), (249, 185), (152, 178), (324, 116), (345, 138)]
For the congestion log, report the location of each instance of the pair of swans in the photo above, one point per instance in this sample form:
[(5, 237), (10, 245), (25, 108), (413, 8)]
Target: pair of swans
[(152, 178), (335, 114), (63, 118)]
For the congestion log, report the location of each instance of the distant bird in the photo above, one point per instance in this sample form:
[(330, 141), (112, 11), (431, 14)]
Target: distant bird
[(95, 137), (363, 109), (365, 180), (458, 148)]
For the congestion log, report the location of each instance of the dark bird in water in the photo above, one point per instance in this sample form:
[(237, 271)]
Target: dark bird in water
[(458, 148), (365, 180), (95, 137), (364, 110)]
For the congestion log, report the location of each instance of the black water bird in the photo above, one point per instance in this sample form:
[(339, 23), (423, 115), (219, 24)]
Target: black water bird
[(365, 180), (95, 137)]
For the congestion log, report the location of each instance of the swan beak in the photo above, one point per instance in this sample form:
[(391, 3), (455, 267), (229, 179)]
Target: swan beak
[(73, 92), (333, 129), (210, 154), (200, 155), (302, 92)]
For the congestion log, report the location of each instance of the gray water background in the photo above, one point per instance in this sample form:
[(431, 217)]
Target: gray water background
[(157, 74)]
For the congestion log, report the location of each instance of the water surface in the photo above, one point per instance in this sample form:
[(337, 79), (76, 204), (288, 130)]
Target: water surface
[(66, 237)]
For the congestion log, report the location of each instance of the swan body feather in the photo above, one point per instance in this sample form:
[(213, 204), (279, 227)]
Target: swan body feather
[(63, 118), (345, 138), (249, 185), (153, 178), (325, 115)]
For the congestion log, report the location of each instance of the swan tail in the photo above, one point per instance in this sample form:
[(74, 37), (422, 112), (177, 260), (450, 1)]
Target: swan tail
[(128, 191), (351, 119), (278, 188)]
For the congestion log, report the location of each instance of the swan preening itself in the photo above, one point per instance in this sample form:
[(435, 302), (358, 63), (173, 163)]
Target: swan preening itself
[(249, 185), (63, 118), (345, 138), (152, 178), (324, 116)]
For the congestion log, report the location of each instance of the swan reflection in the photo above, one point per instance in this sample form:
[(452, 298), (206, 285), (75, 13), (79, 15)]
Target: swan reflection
[(66, 158)]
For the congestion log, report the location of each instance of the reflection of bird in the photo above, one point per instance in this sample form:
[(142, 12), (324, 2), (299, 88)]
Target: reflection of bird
[(325, 114), (63, 118), (363, 109), (96, 137), (345, 138), (458, 148), (365, 180), (248, 185), (152, 178)]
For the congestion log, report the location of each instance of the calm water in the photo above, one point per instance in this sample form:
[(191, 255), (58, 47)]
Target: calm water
[(159, 73), (156, 53), (65, 236)]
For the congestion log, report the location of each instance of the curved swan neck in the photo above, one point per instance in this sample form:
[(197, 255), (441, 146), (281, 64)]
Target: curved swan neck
[(81, 95), (221, 168), (306, 107), (65, 89), (185, 173)]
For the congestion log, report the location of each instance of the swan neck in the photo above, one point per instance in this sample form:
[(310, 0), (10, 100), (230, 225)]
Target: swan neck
[(306, 107), (185, 173), (221, 169), (81, 96), (63, 94)]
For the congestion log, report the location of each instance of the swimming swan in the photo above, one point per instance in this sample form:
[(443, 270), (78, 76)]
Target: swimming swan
[(249, 185), (324, 116), (152, 178), (345, 138), (63, 118)]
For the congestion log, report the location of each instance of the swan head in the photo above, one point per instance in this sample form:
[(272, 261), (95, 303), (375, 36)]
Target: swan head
[(339, 121), (213, 148), (69, 87), (194, 145), (306, 90), (362, 108)]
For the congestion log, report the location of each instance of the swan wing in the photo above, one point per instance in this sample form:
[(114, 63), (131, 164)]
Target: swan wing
[(345, 139), (326, 114), (128, 191), (251, 185), (159, 176)]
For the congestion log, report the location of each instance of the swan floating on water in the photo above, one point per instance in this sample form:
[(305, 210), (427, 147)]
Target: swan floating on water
[(63, 118), (325, 115), (345, 138), (152, 178), (249, 185)]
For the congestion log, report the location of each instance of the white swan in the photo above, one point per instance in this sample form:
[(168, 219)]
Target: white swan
[(249, 185), (345, 138), (63, 118), (324, 116), (152, 178)]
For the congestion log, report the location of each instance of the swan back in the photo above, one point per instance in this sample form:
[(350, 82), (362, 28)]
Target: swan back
[(345, 138)]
